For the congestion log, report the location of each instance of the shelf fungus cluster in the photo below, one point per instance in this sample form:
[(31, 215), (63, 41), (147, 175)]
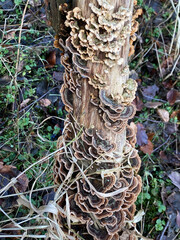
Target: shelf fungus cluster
[(97, 165)]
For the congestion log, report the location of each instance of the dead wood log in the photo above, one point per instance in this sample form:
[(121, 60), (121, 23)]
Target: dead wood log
[(96, 166)]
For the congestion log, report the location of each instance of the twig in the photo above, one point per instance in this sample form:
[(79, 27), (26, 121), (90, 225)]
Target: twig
[(176, 236), (161, 145), (177, 22), (174, 66), (19, 41), (26, 235), (160, 69), (167, 224), (25, 228), (160, 100)]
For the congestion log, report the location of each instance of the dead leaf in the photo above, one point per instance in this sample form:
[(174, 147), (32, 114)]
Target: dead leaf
[(139, 81), (151, 135), (4, 80), (24, 103), (20, 66), (58, 76), (48, 197), (173, 200), (10, 35), (178, 219), (152, 104), (176, 114), (166, 64), (164, 114), (7, 148), (150, 92), (138, 103), (170, 158), (7, 172), (51, 59), (163, 156), (141, 135), (172, 96), (171, 128), (148, 148), (173, 207), (45, 102), (168, 84), (150, 67), (175, 178)]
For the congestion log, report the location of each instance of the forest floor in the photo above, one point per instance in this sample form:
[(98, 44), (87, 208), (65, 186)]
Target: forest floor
[(32, 118)]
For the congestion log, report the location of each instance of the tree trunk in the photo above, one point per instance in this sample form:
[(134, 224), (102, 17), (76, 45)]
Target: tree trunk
[(96, 166)]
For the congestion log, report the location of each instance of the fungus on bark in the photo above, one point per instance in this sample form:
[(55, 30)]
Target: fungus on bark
[(96, 165)]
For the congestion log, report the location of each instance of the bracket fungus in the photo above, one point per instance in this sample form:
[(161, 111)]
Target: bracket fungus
[(96, 164)]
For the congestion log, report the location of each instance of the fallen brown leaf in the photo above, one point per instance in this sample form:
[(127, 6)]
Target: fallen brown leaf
[(151, 135), (152, 104), (163, 156), (175, 178), (141, 135), (164, 114), (20, 66), (172, 96), (58, 76), (150, 92), (176, 114), (48, 197), (24, 103), (168, 84), (4, 80), (171, 128), (45, 102), (10, 172), (7, 172), (10, 35), (147, 148), (138, 103), (166, 65), (139, 81), (51, 59), (170, 158)]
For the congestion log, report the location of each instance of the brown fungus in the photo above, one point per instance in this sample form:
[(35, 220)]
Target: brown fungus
[(96, 164), (66, 97)]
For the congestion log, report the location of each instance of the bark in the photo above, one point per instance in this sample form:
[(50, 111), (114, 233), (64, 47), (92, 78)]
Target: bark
[(96, 166)]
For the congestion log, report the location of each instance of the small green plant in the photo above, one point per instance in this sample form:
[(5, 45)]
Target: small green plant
[(17, 2), (159, 225), (161, 207)]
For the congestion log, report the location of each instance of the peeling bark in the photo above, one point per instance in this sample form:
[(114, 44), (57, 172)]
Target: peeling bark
[(97, 164)]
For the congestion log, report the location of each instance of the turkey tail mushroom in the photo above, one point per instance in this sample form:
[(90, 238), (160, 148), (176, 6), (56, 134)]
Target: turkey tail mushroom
[(96, 164)]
